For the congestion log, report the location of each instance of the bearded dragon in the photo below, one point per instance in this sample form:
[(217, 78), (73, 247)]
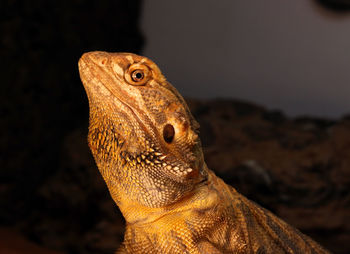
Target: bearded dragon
[(145, 143)]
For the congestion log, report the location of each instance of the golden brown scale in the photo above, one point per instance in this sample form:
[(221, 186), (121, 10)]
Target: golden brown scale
[(146, 146)]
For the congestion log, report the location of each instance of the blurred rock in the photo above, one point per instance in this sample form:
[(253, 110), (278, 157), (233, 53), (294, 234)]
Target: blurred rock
[(298, 168)]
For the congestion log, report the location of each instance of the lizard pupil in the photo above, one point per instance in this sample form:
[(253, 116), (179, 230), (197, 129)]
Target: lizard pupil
[(168, 133), (137, 75)]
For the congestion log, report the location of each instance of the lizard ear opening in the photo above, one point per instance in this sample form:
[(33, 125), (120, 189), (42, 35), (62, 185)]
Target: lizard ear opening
[(168, 133)]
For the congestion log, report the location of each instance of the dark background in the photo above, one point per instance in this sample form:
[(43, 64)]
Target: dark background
[(51, 194)]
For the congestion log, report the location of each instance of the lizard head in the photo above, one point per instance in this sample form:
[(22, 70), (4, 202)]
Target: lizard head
[(142, 134)]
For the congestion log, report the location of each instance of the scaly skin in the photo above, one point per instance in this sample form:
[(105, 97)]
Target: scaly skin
[(145, 143)]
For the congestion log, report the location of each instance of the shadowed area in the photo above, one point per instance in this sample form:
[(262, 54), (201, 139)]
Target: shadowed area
[(340, 6)]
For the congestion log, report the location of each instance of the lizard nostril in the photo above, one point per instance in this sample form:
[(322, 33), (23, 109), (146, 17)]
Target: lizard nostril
[(168, 133)]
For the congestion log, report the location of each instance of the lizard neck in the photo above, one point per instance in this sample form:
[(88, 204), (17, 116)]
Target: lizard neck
[(202, 196)]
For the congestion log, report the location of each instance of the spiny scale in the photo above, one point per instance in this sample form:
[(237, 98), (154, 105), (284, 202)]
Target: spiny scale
[(146, 146)]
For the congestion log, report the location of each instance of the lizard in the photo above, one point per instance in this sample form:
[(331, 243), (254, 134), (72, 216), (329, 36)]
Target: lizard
[(146, 145)]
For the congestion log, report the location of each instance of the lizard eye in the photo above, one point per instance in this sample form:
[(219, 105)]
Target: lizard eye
[(137, 74), (168, 133)]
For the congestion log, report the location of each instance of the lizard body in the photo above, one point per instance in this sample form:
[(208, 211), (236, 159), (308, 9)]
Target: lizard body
[(145, 143)]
